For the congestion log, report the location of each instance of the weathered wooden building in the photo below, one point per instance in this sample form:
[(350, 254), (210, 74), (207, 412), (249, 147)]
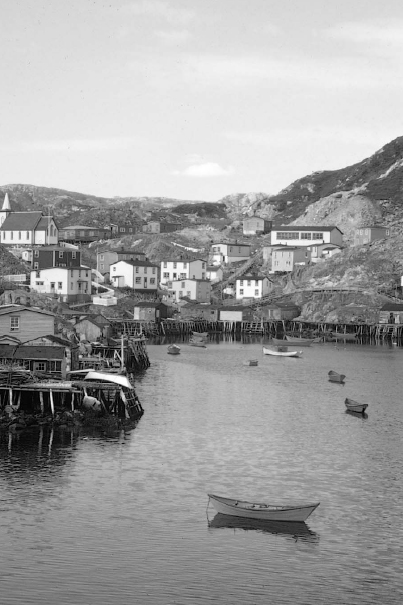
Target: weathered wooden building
[(198, 312), (93, 328), (25, 323), (279, 311), (150, 311), (391, 313)]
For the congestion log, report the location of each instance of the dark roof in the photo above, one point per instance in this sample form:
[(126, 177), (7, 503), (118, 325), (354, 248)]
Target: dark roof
[(234, 308), (306, 228), (21, 221), (21, 308), (31, 352), (392, 307), (44, 223), (145, 303), (127, 252)]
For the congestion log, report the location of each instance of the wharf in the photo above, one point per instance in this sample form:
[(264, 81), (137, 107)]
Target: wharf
[(267, 327)]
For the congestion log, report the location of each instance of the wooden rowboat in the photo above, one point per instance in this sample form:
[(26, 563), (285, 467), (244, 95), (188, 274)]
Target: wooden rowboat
[(335, 377), (173, 350), (200, 335), (281, 351), (355, 406), (290, 340), (254, 510)]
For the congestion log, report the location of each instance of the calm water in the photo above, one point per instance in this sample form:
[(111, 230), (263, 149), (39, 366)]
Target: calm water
[(90, 519)]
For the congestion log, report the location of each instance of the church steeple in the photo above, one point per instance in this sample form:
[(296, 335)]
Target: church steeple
[(6, 209)]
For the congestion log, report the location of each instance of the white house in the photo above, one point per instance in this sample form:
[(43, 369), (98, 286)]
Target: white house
[(68, 283), (214, 273), (195, 289), (26, 228), (183, 269), (291, 235), (137, 274), (224, 253), (252, 286)]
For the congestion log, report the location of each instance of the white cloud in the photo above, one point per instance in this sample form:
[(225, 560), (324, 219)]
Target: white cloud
[(209, 169)]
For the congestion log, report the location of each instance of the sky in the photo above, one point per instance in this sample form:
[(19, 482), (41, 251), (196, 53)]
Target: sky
[(195, 99)]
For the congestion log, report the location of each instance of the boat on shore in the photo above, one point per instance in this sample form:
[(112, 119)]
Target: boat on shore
[(355, 406), (335, 377), (270, 512), (281, 351), (197, 343), (173, 350), (293, 340)]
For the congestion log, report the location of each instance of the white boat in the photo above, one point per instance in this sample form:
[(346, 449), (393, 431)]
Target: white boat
[(281, 352), (254, 510), (355, 406), (173, 350)]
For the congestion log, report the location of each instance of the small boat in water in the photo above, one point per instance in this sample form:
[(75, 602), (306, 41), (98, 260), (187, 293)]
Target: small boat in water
[(281, 351), (335, 336), (197, 343), (254, 510), (173, 350), (355, 406), (251, 362), (335, 377), (297, 340)]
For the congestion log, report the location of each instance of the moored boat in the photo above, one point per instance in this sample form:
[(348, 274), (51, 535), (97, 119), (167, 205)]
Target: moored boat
[(281, 351), (173, 350), (335, 377), (291, 340), (270, 512), (197, 343), (355, 406)]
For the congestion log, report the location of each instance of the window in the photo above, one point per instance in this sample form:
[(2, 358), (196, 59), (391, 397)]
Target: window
[(72, 273), (180, 293), (185, 265), (317, 235), (40, 366), (249, 282), (14, 324), (165, 275), (183, 285), (175, 265), (12, 235), (145, 269), (152, 280), (61, 254), (102, 266), (39, 283), (36, 265), (138, 280), (287, 235), (71, 286), (130, 230), (306, 235), (241, 291), (27, 235), (19, 234), (241, 282), (256, 282), (188, 293), (52, 285), (256, 292), (59, 285), (38, 274), (153, 271), (121, 229), (101, 256), (137, 269), (165, 264), (114, 268)]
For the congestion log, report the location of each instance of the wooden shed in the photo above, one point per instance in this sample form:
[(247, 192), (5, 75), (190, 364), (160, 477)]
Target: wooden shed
[(150, 311), (198, 311), (391, 313), (279, 311), (235, 313), (93, 328)]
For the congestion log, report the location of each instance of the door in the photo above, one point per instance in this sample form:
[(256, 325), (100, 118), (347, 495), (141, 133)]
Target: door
[(145, 282)]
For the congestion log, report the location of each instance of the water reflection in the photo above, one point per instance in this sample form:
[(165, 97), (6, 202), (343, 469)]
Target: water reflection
[(362, 415), (295, 530)]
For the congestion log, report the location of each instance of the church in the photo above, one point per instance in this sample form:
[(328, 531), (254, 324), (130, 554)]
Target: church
[(20, 229)]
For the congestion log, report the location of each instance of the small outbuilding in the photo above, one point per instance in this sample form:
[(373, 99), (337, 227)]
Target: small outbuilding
[(150, 311), (280, 311)]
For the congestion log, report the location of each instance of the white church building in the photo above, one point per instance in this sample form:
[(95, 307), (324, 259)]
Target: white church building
[(20, 229)]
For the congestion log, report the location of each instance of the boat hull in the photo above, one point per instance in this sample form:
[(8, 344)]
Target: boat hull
[(173, 350), (355, 406), (267, 351), (335, 377), (300, 342), (250, 510), (251, 362)]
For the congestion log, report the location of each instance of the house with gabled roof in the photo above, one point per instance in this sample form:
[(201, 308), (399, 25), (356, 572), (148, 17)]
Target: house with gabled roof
[(140, 275), (183, 269), (304, 235), (252, 286), (27, 229), (22, 323)]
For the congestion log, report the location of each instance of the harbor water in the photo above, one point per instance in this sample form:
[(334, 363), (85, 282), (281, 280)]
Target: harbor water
[(91, 518)]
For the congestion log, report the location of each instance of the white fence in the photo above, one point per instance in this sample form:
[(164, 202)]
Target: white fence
[(21, 278)]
